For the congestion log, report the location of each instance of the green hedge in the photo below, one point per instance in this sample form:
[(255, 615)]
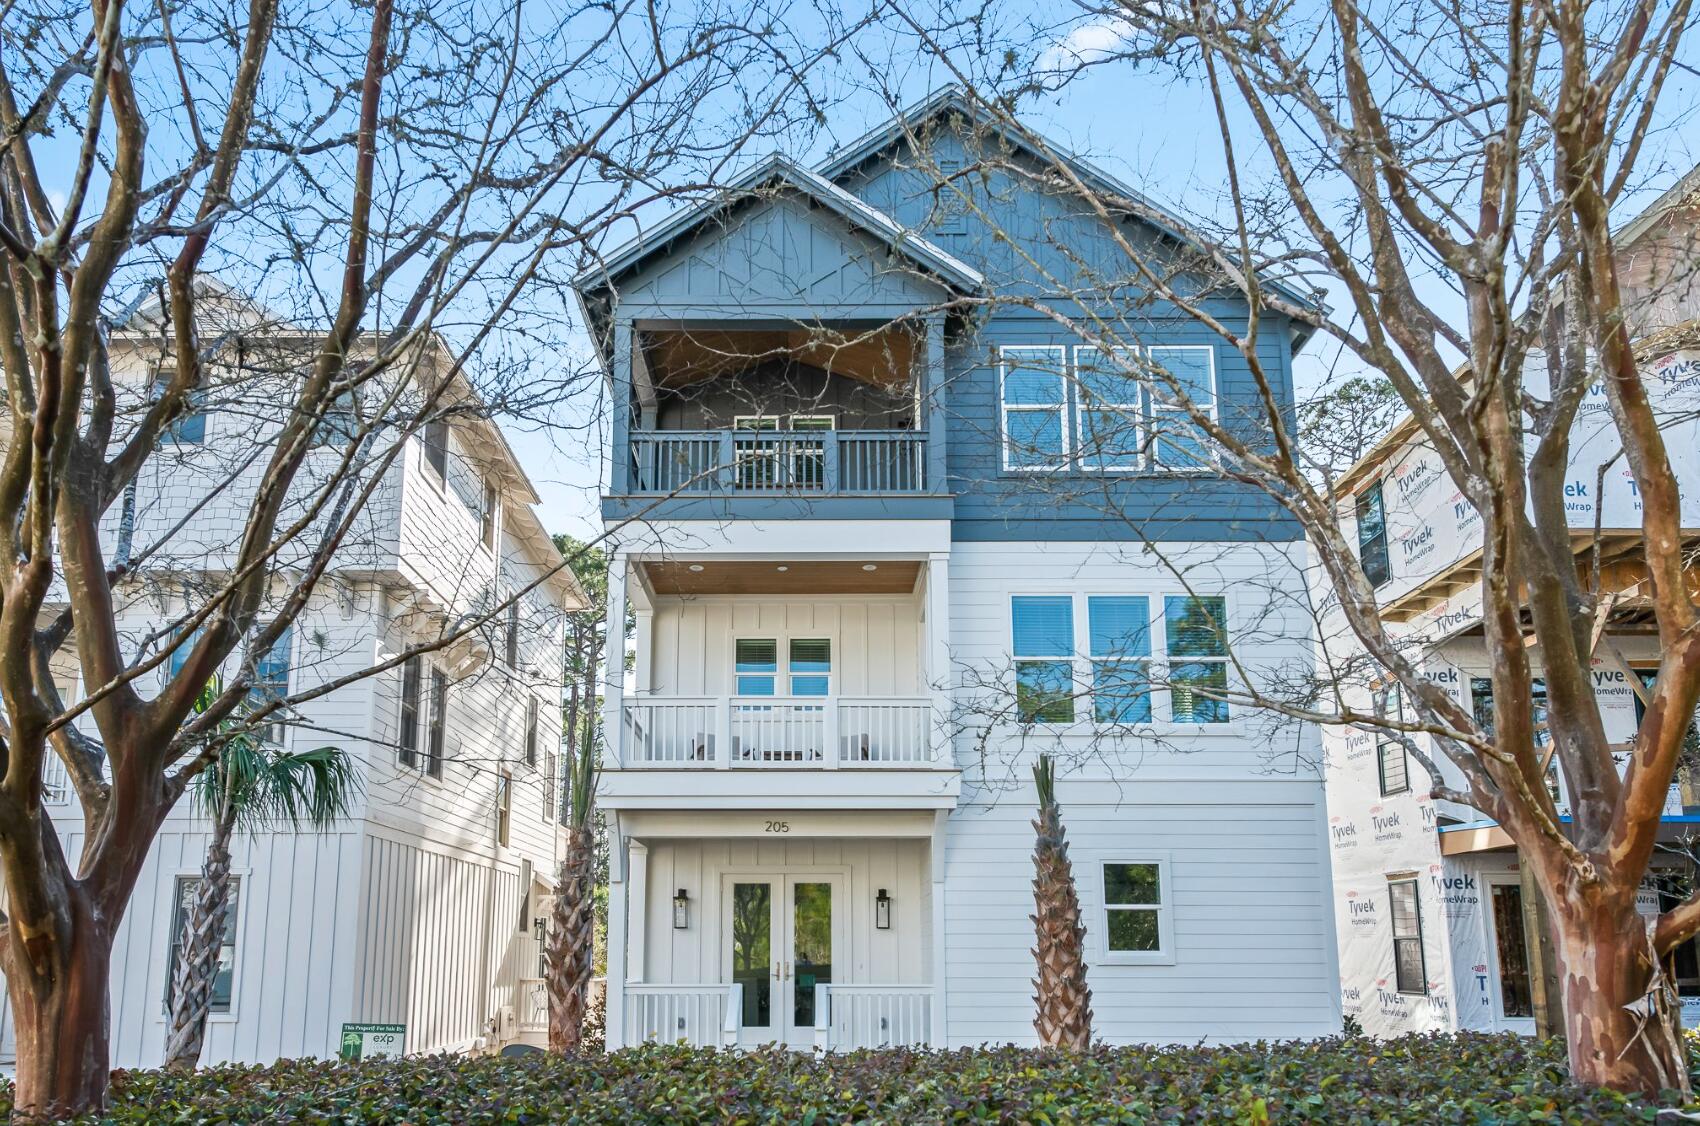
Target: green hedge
[(1420, 1080)]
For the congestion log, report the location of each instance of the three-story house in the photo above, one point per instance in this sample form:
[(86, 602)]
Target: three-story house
[(874, 564)]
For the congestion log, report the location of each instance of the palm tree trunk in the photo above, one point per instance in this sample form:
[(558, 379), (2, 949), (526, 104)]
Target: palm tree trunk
[(1062, 1000), (197, 961), (572, 933)]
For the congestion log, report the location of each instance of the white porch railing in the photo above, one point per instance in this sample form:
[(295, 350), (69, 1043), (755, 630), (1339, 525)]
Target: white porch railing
[(704, 1016), (830, 462), (848, 1017), (783, 732), (533, 1004)]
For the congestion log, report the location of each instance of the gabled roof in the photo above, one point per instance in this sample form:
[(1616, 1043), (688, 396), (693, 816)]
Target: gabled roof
[(954, 99), (777, 171)]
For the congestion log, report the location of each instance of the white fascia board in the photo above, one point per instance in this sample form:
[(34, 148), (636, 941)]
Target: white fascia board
[(783, 539)]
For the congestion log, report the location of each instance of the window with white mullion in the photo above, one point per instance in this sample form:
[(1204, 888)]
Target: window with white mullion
[(1108, 408), (1179, 370), (1033, 404)]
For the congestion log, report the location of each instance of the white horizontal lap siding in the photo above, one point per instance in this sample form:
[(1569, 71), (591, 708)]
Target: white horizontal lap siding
[(441, 545), (696, 955), (295, 942), (875, 642), (1247, 883)]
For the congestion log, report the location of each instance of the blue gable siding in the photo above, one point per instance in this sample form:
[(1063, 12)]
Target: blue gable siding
[(779, 258), (1051, 252)]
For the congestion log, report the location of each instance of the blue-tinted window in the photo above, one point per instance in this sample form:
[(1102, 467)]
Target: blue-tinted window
[(1119, 637), (1109, 409), (1181, 374), (189, 428), (1043, 626), (1197, 632), (1034, 407), (811, 666), (756, 663)]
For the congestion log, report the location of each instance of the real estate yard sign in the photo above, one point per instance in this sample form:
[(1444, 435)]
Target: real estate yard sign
[(369, 1041)]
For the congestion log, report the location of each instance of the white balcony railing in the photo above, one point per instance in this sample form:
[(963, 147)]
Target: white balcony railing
[(848, 1017), (829, 462), (704, 1016), (777, 732)]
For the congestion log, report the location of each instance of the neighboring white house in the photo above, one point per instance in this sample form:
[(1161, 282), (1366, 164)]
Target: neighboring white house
[(1437, 929), (858, 539), (418, 909)]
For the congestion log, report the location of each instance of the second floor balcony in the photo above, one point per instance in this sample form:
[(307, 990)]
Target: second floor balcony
[(778, 732), (768, 461)]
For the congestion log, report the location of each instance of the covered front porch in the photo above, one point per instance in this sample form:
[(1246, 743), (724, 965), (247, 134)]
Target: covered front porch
[(815, 930)]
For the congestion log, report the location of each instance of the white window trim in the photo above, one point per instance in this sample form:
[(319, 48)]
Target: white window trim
[(242, 878), (1065, 457), (1153, 408), (1145, 663), (1164, 666), (1073, 661), (1162, 721), (782, 664), (1137, 408), (1164, 955)]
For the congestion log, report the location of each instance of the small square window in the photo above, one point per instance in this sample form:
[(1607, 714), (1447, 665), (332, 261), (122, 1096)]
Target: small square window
[(1135, 924)]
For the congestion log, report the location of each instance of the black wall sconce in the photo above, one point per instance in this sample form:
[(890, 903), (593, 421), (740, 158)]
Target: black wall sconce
[(882, 911), (681, 911)]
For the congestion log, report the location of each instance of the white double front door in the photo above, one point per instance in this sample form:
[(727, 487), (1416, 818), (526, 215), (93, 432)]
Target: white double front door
[(781, 933)]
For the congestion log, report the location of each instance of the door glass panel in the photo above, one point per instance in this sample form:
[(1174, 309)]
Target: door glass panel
[(1509, 938), (752, 950), (812, 948)]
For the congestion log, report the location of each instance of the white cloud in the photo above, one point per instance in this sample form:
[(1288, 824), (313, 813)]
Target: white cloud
[(1093, 41)]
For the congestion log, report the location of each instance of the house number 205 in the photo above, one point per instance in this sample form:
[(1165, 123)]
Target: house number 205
[(778, 827)]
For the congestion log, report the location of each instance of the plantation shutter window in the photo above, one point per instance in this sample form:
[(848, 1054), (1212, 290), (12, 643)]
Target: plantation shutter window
[(511, 629), (1180, 373), (1107, 422), (1043, 640), (811, 666), (1372, 537), (531, 732), (439, 723), (1119, 638), (1197, 636), (407, 727), (186, 889), (1410, 975), (755, 662), (436, 441), (1034, 407), (271, 683), (1133, 903)]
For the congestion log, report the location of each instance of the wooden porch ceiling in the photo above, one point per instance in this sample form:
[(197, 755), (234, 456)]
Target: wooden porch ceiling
[(1621, 572), (680, 357), (888, 576)]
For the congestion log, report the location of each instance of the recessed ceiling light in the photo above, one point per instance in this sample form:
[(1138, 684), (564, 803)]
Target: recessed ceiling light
[(696, 566), (870, 566), (782, 567)]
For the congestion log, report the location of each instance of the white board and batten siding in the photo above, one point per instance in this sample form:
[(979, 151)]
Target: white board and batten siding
[(894, 956), (876, 641)]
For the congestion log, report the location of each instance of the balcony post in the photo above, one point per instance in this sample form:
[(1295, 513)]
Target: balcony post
[(614, 676), (637, 892), (723, 733), (932, 400), (620, 374), (937, 1034), (938, 669), (830, 733), (614, 1016)]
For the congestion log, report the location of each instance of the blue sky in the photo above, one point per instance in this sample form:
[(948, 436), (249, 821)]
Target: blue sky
[(1155, 133)]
